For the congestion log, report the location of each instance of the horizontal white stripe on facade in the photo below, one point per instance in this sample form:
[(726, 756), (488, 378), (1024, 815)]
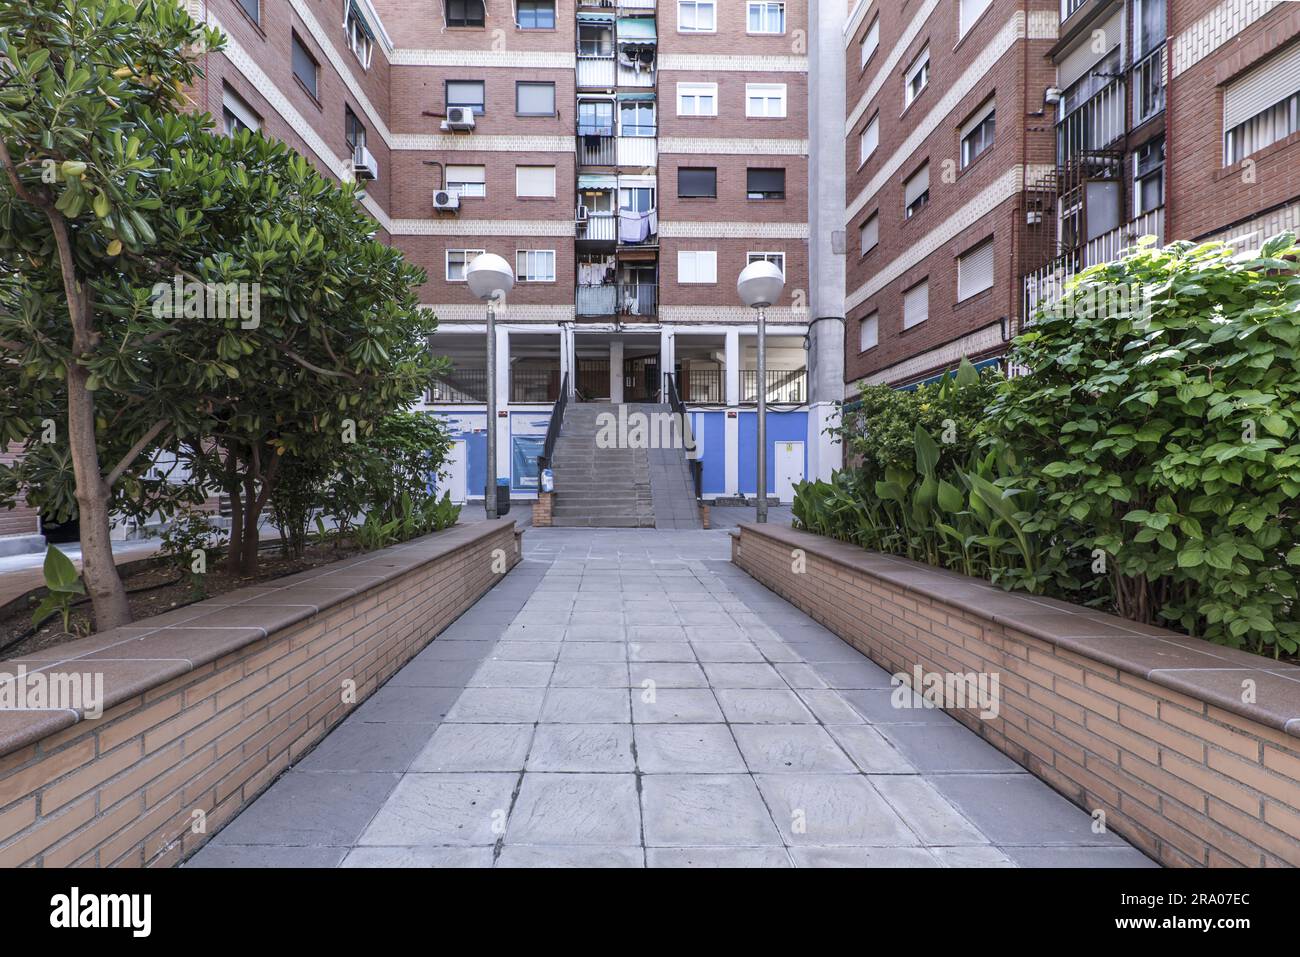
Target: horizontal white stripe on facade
[(714, 63), (732, 315), (470, 228), (1215, 29), (702, 146), (491, 59), (472, 314), (683, 229), (856, 17), (945, 356), (889, 67)]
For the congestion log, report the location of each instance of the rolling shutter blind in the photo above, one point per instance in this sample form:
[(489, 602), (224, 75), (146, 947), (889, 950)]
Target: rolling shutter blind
[(535, 180), (975, 271), (1082, 59), (871, 137), (870, 233), (916, 305), (918, 184), (1267, 85)]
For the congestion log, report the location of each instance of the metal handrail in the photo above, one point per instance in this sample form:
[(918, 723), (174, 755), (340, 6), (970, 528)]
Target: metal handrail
[(678, 408), (553, 428)]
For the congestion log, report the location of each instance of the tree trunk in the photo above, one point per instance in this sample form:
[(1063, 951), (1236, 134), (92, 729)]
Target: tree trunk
[(235, 551), (103, 583)]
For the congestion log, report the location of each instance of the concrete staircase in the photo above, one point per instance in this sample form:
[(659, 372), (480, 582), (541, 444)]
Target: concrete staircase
[(595, 487)]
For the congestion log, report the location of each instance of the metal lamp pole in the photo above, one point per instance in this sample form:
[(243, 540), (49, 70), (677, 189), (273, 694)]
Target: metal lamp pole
[(490, 277), (761, 515)]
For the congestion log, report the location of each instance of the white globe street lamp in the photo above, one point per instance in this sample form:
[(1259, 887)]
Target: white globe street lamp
[(759, 286), (489, 278)]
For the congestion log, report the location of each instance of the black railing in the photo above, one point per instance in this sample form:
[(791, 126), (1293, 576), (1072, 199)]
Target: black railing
[(678, 408), (784, 386), (637, 298), (553, 428), (460, 387), (704, 386), (1095, 124), (534, 385)]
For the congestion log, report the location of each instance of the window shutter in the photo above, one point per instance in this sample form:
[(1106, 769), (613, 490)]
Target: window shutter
[(538, 98), (916, 305), (765, 180), (697, 182), (869, 332), (1267, 85), (975, 271), (977, 118), (970, 11), (870, 233), (871, 137), (918, 184), (535, 180), (871, 41), (1080, 61), (466, 174)]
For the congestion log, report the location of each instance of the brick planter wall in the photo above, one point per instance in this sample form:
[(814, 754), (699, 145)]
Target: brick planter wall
[(206, 705), (1142, 723)]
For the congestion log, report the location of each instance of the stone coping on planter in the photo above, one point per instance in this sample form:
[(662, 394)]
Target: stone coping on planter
[(1192, 666), (143, 655)]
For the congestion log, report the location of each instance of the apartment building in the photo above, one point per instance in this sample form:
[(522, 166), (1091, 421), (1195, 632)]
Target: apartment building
[(627, 158), (1050, 136)]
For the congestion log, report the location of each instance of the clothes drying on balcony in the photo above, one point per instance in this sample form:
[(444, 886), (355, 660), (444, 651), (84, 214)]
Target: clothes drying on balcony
[(637, 227)]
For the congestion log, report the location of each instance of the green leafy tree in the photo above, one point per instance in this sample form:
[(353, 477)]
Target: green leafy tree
[(1159, 426)]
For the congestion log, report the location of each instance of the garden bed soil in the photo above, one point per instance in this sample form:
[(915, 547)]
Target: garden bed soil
[(156, 587)]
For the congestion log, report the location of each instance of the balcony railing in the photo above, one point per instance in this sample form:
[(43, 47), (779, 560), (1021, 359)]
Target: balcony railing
[(599, 228), (596, 71), (634, 73), (1094, 124), (1112, 245), (597, 300), (638, 299), (596, 148), (534, 385), (783, 386), (1148, 81), (641, 150), (461, 387), (599, 148), (617, 299), (705, 386)]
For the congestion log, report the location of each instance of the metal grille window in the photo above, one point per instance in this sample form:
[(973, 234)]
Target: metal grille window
[(467, 180), (457, 260), (975, 271), (466, 93), (766, 17), (977, 136), (916, 304), (535, 265), (765, 184), (465, 13), (916, 191), (1263, 106), (305, 67), (534, 99), (700, 182), (535, 14)]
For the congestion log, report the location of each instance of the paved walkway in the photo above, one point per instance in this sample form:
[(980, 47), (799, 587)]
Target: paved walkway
[(630, 698)]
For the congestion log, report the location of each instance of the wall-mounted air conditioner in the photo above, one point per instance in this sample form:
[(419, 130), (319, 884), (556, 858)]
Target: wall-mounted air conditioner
[(444, 200), (459, 118), (364, 164)]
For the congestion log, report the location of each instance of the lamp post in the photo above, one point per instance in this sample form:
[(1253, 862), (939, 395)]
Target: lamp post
[(760, 285), (489, 277)]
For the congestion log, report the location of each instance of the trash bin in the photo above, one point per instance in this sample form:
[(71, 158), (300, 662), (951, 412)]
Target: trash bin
[(503, 496)]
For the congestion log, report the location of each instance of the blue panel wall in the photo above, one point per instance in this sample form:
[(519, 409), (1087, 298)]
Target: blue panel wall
[(471, 427), (712, 428), (781, 427)]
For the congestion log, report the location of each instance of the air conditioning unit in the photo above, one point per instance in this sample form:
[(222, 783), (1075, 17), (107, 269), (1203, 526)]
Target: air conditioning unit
[(581, 216), (364, 165), (459, 118), (442, 199)]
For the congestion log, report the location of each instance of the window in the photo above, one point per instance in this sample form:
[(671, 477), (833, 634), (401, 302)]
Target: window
[(1149, 177), (466, 93), (765, 99), (535, 265), (236, 114), (637, 199), (534, 99), (304, 66), (916, 191), (535, 14), (697, 99), (776, 259), (1262, 107), (977, 134), (697, 16), (869, 332), (465, 13), (871, 41), (870, 140), (766, 17), (535, 181), (869, 234), (353, 130), (916, 304), (765, 184), (467, 180), (697, 266), (253, 8), (699, 182), (457, 260), (975, 270), (361, 39), (636, 117), (596, 118), (917, 78), (970, 12)]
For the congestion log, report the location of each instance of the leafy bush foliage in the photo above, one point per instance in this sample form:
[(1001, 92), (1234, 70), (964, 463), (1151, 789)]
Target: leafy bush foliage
[(1146, 462)]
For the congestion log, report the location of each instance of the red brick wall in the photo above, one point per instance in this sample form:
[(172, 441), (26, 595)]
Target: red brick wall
[(21, 520), (1187, 781), (122, 790)]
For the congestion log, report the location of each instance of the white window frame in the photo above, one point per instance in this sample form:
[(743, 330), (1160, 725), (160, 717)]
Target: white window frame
[(873, 128), (359, 34), (694, 256), (924, 284), (776, 257), (237, 106), (871, 322), (529, 274), (968, 14), (467, 254), (696, 92), (698, 6), (533, 166), (870, 42), (767, 94), (976, 122), (459, 186), (914, 208), (963, 265), (765, 9), (862, 231), (919, 68)]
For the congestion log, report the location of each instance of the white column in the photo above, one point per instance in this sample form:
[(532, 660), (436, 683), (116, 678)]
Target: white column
[(666, 357), (731, 368), (502, 425), (616, 370), (562, 343), (731, 451)]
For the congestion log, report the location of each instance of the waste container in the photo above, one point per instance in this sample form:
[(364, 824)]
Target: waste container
[(503, 496)]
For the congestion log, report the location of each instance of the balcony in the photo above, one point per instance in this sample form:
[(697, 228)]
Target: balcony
[(592, 301), (703, 386), (532, 384), (597, 71), (625, 299), (784, 386), (597, 147), (460, 387), (1095, 124), (1148, 83), (598, 228)]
